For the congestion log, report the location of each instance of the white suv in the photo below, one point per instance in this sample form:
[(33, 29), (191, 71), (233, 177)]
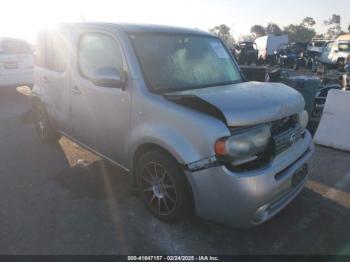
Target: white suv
[(16, 62)]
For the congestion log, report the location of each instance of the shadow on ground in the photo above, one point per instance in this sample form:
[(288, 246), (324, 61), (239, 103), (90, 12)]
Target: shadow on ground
[(312, 224)]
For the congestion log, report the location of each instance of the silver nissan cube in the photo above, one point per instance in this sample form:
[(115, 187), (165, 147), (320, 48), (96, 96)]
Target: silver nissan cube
[(170, 107)]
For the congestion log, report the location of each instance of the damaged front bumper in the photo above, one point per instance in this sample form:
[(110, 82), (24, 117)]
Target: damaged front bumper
[(251, 198)]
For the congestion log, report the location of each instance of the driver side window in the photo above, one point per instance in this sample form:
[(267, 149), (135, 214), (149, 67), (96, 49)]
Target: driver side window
[(98, 51), (328, 47)]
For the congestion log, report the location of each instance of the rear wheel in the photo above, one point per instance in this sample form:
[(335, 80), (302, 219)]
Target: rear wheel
[(44, 128), (163, 186)]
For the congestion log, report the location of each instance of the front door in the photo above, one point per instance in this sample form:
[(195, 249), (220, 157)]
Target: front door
[(100, 115), (326, 54)]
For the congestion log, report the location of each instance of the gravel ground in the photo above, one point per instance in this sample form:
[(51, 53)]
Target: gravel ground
[(61, 199)]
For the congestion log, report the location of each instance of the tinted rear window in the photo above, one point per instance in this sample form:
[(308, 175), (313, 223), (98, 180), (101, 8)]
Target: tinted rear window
[(14, 47)]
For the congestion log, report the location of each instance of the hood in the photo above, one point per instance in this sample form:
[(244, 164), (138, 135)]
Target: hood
[(343, 54), (245, 104)]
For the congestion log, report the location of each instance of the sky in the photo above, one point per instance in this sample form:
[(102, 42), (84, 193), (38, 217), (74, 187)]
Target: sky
[(21, 18)]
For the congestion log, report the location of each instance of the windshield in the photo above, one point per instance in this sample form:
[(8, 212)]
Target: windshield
[(248, 46), (172, 62), (344, 47)]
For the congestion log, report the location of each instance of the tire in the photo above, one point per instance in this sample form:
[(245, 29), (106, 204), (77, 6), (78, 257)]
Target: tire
[(163, 186), (43, 126)]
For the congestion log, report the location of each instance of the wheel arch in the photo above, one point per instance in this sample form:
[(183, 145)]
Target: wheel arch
[(147, 147)]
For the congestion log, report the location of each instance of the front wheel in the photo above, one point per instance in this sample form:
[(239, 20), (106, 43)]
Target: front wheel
[(163, 186), (43, 126)]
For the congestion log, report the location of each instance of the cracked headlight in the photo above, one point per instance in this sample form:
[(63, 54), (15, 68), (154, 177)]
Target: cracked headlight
[(243, 144)]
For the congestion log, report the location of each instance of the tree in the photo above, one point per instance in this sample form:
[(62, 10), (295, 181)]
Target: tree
[(224, 32), (349, 28), (248, 38), (334, 26), (258, 30), (302, 32), (273, 28), (308, 22), (299, 33)]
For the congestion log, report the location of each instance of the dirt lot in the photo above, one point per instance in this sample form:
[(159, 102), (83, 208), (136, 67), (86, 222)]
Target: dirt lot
[(62, 200)]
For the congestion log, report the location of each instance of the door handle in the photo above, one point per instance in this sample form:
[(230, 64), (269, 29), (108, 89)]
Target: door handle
[(76, 90)]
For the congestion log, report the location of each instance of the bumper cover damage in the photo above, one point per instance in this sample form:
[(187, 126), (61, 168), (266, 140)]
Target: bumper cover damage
[(249, 198)]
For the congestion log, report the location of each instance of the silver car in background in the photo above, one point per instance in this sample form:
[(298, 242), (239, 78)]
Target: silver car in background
[(170, 107), (16, 63)]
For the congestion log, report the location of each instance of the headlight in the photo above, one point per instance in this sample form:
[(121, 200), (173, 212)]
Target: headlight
[(303, 119), (245, 143)]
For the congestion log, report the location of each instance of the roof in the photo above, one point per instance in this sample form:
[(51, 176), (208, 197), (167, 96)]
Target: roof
[(11, 39), (344, 37), (137, 28)]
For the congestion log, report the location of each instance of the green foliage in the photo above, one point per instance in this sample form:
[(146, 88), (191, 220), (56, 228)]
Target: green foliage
[(299, 33), (224, 32), (273, 28), (308, 22), (334, 26), (258, 30), (249, 38)]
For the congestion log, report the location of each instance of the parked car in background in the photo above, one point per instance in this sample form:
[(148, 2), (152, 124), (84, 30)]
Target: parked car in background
[(268, 45), (291, 55), (170, 107), (346, 78), (313, 53), (335, 54), (16, 62), (316, 46), (299, 47), (246, 53)]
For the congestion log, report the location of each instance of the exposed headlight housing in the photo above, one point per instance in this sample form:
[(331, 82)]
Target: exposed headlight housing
[(245, 143), (303, 119)]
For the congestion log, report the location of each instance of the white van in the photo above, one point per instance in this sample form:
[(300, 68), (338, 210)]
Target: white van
[(16, 62), (268, 44)]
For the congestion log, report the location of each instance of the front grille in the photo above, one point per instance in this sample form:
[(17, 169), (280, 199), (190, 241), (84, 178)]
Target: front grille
[(283, 124), (285, 132)]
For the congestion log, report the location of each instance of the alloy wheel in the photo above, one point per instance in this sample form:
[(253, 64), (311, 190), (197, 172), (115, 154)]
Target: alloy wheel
[(158, 189)]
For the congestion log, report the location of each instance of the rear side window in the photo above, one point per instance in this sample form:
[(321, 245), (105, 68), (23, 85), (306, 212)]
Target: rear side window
[(98, 51), (12, 46), (51, 52)]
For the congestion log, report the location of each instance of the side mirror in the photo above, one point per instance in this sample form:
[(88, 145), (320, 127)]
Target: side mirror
[(108, 77)]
